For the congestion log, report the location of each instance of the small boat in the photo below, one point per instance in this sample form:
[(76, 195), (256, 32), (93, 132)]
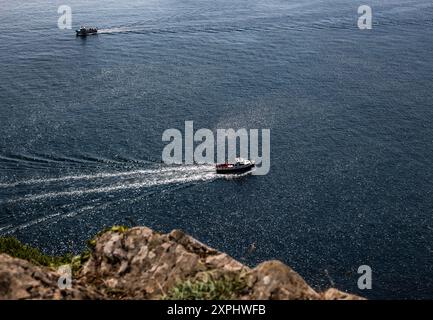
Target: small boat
[(84, 31), (240, 166)]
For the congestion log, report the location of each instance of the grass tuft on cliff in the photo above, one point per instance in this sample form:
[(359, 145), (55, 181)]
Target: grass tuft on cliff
[(16, 249), (206, 289)]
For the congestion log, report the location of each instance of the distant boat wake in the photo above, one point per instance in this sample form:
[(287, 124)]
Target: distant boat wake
[(117, 30), (260, 24)]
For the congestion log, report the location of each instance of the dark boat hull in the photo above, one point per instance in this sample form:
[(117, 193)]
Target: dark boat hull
[(85, 34), (234, 170)]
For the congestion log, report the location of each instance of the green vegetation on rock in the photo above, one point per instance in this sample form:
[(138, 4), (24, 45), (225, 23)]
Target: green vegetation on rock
[(16, 249), (92, 242), (207, 289)]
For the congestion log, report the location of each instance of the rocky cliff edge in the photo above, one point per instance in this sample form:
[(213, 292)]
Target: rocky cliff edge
[(139, 263)]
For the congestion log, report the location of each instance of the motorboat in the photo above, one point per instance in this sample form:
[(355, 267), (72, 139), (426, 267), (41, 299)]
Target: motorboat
[(85, 31), (239, 166)]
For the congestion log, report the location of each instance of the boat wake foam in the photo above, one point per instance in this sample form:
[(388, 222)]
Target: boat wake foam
[(109, 182), (41, 200)]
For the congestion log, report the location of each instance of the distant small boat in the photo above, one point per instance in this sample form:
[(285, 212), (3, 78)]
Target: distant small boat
[(84, 31), (240, 166)]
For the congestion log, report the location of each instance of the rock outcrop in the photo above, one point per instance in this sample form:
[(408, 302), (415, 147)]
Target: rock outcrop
[(140, 263), (19, 279)]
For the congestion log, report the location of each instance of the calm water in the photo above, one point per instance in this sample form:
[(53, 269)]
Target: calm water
[(350, 114)]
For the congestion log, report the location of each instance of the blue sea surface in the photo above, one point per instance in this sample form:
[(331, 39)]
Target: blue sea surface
[(350, 113)]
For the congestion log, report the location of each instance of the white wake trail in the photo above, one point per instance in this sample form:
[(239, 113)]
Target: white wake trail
[(164, 177), (98, 176)]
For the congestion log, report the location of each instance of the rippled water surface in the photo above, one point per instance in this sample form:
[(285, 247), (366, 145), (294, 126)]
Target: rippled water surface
[(350, 114)]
